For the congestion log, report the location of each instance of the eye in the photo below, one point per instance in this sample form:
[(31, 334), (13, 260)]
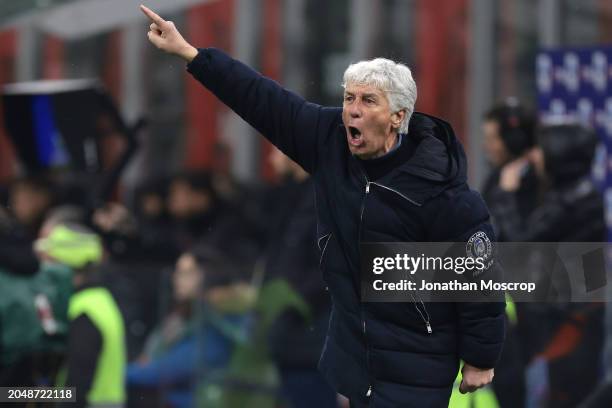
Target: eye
[(349, 98), (370, 101)]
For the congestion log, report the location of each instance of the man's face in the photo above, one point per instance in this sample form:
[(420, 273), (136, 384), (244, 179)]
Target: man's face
[(188, 278), (152, 205), (494, 146), (28, 203), (371, 127), (179, 196), (185, 201)]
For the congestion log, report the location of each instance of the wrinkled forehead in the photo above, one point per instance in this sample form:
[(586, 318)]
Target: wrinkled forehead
[(364, 89), (354, 88)]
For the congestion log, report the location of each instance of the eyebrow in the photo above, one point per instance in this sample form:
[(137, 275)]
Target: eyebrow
[(365, 95)]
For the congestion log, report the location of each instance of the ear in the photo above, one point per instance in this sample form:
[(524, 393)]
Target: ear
[(397, 118)]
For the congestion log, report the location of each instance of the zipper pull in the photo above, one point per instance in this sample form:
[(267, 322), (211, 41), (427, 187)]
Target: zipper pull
[(364, 327), (369, 391), (368, 187), (428, 327)]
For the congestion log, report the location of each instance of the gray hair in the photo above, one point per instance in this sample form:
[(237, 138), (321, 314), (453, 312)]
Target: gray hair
[(394, 79)]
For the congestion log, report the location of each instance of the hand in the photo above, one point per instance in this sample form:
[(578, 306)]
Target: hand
[(164, 35), (474, 378), (536, 158), (510, 177), (114, 217)]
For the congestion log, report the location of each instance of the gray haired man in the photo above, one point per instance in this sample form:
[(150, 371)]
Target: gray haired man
[(382, 173)]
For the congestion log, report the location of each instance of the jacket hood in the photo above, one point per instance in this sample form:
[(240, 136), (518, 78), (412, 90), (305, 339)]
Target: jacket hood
[(438, 163)]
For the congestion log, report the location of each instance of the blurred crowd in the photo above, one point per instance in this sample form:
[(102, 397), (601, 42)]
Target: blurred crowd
[(195, 290), (199, 291), (542, 189)]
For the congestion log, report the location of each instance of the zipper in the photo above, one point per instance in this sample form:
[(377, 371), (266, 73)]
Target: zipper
[(367, 191), (395, 191), (321, 239), (365, 332), (328, 236), (424, 314)]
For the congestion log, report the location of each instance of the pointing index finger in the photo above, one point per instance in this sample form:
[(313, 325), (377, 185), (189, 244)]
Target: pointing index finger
[(152, 15)]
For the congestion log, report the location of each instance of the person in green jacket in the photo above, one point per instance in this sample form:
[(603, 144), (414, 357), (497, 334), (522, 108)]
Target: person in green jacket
[(96, 355)]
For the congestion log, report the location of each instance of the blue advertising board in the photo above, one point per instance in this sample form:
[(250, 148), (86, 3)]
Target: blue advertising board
[(575, 86)]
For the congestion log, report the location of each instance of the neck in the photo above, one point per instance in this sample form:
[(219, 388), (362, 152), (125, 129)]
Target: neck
[(390, 143)]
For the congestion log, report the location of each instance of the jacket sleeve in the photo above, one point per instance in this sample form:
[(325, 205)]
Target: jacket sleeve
[(481, 325), (176, 365), (287, 120)]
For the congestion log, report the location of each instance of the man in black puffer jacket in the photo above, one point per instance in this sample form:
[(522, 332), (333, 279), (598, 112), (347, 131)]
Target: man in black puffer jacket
[(381, 174)]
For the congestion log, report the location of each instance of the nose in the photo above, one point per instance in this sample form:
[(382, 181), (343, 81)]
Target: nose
[(354, 111)]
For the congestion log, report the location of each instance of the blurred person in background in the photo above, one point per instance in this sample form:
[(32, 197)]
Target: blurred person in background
[(140, 248), (33, 322), (193, 206), (193, 338), (153, 221), (33, 312), (142, 230), (290, 254), (150, 201), (571, 209), (223, 181), (96, 354), (381, 173), (569, 337), (29, 199), (509, 134), (200, 215)]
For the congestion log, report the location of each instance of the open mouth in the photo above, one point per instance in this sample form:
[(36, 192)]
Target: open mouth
[(355, 138)]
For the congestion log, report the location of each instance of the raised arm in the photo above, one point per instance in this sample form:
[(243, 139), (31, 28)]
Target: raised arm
[(291, 123)]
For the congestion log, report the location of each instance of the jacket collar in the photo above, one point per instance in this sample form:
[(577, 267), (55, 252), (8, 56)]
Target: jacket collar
[(437, 164)]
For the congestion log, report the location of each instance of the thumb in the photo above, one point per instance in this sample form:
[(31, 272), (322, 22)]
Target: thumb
[(155, 38)]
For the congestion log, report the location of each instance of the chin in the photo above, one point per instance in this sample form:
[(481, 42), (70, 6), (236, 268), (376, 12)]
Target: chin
[(361, 154), (356, 151)]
